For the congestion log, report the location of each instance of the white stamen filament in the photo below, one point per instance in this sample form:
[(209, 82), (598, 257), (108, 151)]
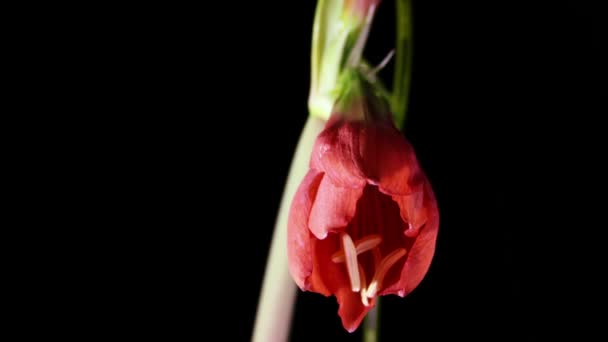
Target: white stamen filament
[(356, 273), (381, 270), (352, 265), (371, 290), (362, 245), (364, 298)]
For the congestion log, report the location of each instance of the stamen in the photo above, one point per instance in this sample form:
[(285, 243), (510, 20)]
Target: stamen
[(371, 290), (364, 298), (381, 270), (362, 245), (368, 242), (352, 266)]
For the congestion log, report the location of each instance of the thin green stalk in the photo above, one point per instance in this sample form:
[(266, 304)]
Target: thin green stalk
[(403, 61), (371, 322), (273, 318)]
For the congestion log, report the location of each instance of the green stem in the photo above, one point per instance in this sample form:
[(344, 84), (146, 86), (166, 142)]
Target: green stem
[(403, 61), (370, 324), (275, 308), (329, 41)]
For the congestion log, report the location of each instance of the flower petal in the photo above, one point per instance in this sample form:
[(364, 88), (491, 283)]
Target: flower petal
[(352, 311), (336, 152), (413, 208), (333, 208), (388, 159), (327, 276), (422, 251), (299, 239)]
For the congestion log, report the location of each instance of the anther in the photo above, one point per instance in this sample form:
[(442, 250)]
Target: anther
[(381, 271), (362, 245), (352, 266)]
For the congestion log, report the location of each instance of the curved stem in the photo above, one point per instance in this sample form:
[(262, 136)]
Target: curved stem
[(403, 62), (273, 318)]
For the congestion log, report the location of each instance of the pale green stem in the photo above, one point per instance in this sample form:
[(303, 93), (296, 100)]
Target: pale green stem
[(370, 324), (329, 38), (273, 318), (403, 62)]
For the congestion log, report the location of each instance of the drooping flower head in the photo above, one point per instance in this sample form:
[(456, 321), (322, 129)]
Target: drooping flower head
[(364, 220)]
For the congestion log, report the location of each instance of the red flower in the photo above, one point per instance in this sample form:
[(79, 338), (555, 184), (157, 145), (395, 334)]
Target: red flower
[(364, 220)]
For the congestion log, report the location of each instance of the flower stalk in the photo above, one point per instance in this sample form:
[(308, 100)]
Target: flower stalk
[(403, 62), (275, 308), (370, 324)]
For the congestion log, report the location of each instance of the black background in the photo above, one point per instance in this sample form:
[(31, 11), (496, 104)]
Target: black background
[(501, 97)]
